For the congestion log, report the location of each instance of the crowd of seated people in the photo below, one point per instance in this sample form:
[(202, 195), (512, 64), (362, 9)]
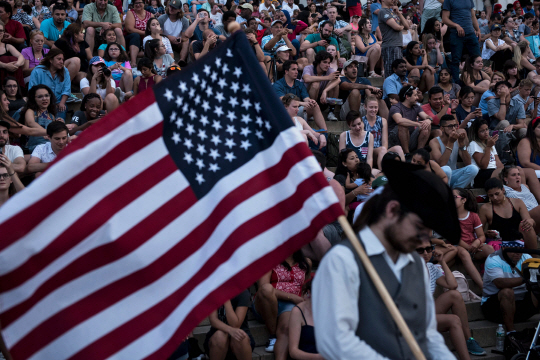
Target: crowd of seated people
[(455, 94)]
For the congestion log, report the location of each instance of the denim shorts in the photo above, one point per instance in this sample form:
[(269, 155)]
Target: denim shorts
[(283, 307)]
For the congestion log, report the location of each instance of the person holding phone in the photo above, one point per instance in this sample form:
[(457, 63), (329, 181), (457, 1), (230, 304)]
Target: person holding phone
[(89, 114), (466, 112), (322, 81), (483, 153)]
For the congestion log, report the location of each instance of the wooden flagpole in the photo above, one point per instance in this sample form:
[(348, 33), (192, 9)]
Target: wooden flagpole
[(387, 299)]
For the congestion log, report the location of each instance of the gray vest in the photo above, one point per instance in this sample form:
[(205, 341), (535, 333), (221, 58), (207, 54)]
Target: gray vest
[(376, 326), (452, 161)]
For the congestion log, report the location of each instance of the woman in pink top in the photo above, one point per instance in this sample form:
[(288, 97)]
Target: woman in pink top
[(279, 291), (135, 26), (33, 54)]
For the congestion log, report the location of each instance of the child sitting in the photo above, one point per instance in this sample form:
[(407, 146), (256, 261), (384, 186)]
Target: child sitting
[(363, 170)]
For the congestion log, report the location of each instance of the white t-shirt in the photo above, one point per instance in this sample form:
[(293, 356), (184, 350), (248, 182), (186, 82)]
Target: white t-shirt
[(263, 7), (217, 18), (286, 7), (434, 272), (475, 148), (165, 40), (432, 4), (13, 152), (172, 28), (44, 152), (487, 53), (101, 92)]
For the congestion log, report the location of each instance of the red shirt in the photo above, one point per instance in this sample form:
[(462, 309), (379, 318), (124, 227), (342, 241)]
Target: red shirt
[(468, 227), (15, 29), (427, 109)]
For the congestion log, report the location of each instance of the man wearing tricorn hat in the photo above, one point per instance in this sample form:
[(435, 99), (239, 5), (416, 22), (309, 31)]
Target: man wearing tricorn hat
[(351, 320)]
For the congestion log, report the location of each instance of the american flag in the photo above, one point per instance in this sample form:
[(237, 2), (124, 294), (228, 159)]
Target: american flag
[(156, 215)]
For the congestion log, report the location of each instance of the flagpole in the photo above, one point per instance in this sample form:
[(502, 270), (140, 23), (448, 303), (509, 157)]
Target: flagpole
[(387, 299)]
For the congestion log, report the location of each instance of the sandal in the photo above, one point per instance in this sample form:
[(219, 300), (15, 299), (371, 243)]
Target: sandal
[(374, 74)]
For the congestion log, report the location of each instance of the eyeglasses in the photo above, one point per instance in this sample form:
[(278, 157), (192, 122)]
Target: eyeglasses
[(46, 96), (428, 249), (114, 49), (2, 31), (453, 126), (11, 86), (5, 176)]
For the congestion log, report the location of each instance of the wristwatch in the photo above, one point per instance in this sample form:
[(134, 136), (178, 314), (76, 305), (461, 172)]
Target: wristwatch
[(463, 148)]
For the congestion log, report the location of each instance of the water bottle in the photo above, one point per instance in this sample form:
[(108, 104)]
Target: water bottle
[(499, 343)]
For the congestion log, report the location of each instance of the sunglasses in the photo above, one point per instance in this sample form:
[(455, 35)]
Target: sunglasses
[(428, 249)]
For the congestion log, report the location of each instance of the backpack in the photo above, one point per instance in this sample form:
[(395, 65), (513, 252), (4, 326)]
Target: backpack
[(463, 288), (332, 150), (504, 150)]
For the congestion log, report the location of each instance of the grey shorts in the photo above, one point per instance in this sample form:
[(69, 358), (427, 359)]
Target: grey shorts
[(393, 138), (345, 108)]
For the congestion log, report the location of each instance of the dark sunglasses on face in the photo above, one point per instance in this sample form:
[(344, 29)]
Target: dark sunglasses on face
[(428, 249)]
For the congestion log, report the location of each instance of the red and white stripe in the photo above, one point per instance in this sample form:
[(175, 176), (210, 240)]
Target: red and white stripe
[(109, 254)]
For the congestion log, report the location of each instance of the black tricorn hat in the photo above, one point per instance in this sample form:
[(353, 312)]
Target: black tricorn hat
[(426, 195)]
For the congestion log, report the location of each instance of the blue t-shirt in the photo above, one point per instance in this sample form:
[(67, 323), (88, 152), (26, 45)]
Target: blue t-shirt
[(374, 17), (198, 34), (392, 85), (299, 89), (50, 32), (483, 102), (460, 13), (359, 80)]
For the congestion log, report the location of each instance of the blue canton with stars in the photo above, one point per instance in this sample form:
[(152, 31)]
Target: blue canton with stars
[(219, 113)]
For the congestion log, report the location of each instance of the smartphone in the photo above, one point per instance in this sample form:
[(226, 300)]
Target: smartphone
[(495, 132), (102, 112), (340, 70)]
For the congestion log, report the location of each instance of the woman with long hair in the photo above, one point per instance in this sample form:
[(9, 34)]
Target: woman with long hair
[(474, 77), (337, 62), (96, 82), (313, 10), (279, 291), (117, 61), (511, 73), (411, 34), (34, 53), (155, 8), (357, 134), (9, 181), (157, 53), (52, 73), (528, 149), (76, 51), (367, 45), (447, 84), (14, 95), (522, 55), (40, 111), (135, 25), (483, 153), (153, 31), (11, 60), (466, 112), (148, 78), (515, 187), (17, 129), (434, 27), (417, 65), (348, 168), (109, 36)]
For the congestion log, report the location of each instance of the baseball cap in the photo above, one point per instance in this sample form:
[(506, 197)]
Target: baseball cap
[(247, 6), (495, 26), (349, 62), (177, 4), (5, 124), (97, 60), (277, 21), (283, 48)]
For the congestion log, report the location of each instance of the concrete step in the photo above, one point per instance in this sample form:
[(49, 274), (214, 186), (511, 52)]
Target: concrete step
[(258, 330), (332, 126), (261, 354), (484, 331), (489, 355)]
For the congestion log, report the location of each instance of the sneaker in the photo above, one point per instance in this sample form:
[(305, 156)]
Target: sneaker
[(332, 117), (119, 94), (270, 345), (474, 348), (73, 99)]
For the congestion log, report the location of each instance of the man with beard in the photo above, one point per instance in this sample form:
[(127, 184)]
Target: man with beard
[(13, 153), (316, 43), (98, 17), (349, 315)]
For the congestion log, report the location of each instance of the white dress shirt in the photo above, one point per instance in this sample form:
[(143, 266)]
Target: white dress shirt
[(335, 304)]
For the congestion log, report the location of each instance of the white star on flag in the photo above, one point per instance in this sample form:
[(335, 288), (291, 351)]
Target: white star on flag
[(197, 99), (203, 84), (202, 134), (176, 138), (192, 114), (246, 89), (220, 97), (190, 129), (191, 93), (245, 119), (214, 167), (237, 72), (245, 131), (225, 69), (235, 86), (179, 123), (179, 101), (195, 78), (259, 134), (215, 140), (207, 70), (218, 111), (209, 92), (216, 125), (173, 116), (204, 120), (245, 145), (214, 76), (168, 94), (230, 129), (188, 143), (199, 178), (231, 115), (183, 86), (185, 108), (222, 83), (258, 107), (259, 121), (199, 163), (205, 105), (230, 143), (246, 104), (214, 154), (218, 62), (188, 158), (230, 156), (232, 101), (201, 149), (229, 53)]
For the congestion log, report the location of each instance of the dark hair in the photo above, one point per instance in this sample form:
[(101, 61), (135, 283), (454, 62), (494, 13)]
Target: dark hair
[(287, 65), (46, 61), (502, 82), (55, 127), (423, 153), (302, 16), (351, 116), (464, 91), (407, 90), (100, 80), (361, 24), (473, 130), (493, 183), (321, 158), (69, 34), (408, 53), (251, 19), (147, 63), (87, 97), (506, 170), (397, 62), (300, 259), (446, 118), (320, 57), (510, 64), (390, 156), (151, 48), (7, 7), (528, 15), (322, 24), (505, 20), (122, 57), (470, 200), (374, 208), (104, 36), (495, 16), (60, 7), (227, 15), (468, 68), (147, 31), (535, 147), (363, 171), (31, 104), (27, 9), (429, 28), (18, 95), (342, 157), (434, 91), (448, 71)]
